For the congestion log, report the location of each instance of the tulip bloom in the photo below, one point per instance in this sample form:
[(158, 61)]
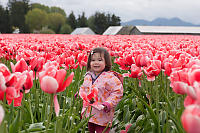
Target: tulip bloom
[(20, 66), (153, 69), (91, 99), (136, 72), (191, 119), (52, 81)]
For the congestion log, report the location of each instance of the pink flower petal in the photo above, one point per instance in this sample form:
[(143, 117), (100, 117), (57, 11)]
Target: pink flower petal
[(2, 82), (179, 87), (60, 76), (2, 113), (49, 84), (67, 82)]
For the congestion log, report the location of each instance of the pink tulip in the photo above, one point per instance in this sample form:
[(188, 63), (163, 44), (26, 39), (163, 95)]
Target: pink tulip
[(194, 76), (20, 66), (191, 119), (142, 60), (153, 69), (2, 82), (53, 81), (2, 113), (179, 87)]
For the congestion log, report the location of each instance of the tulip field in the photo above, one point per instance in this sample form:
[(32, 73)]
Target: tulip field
[(40, 77)]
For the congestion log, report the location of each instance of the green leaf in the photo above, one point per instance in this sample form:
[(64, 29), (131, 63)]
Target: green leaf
[(36, 127), (14, 127), (152, 114)]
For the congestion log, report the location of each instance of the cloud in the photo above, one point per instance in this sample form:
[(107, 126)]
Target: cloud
[(131, 9)]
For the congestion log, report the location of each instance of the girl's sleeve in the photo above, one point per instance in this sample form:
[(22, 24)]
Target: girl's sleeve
[(116, 93)]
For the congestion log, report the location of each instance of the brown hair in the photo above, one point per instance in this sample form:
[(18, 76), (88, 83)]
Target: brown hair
[(108, 62)]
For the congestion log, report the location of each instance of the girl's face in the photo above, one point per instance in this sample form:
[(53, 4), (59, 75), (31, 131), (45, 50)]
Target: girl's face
[(97, 63)]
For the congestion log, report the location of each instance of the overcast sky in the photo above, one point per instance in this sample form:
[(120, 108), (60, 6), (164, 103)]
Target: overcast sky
[(187, 10)]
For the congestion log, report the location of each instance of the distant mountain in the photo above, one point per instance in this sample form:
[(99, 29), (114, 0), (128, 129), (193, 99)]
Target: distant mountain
[(159, 22)]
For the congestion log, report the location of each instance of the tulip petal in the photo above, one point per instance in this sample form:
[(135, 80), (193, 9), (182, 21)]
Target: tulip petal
[(49, 84), (60, 76), (67, 82), (2, 82), (179, 87), (2, 113)]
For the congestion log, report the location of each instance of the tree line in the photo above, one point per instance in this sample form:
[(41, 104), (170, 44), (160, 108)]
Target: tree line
[(38, 18)]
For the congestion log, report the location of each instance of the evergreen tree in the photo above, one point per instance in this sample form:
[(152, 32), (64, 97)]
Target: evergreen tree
[(100, 22), (71, 20), (82, 21), (5, 26), (18, 10), (115, 21)]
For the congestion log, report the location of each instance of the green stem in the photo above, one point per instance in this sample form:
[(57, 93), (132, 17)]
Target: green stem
[(30, 109), (51, 111)]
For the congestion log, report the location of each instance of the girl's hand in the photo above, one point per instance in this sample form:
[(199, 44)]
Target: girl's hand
[(107, 107), (98, 106)]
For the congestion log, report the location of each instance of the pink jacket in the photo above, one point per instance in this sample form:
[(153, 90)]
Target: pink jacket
[(110, 92)]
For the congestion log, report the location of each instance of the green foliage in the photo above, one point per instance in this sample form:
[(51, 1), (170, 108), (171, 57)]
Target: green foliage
[(46, 31), (57, 10), (32, 18), (65, 29), (55, 21), (41, 7), (5, 26)]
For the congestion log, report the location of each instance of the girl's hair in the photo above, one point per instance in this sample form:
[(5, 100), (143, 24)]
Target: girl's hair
[(108, 62)]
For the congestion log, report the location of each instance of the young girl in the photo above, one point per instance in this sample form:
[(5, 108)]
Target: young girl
[(108, 88)]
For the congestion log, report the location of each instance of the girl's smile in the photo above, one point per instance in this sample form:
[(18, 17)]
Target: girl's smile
[(97, 63)]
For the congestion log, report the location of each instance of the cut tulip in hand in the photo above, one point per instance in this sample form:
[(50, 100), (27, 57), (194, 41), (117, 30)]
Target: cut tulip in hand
[(91, 99)]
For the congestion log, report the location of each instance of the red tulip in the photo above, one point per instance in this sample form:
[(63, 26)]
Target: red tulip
[(91, 98), (136, 72)]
